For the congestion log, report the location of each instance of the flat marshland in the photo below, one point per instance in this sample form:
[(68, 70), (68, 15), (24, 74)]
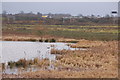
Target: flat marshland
[(98, 61), (57, 40), (22, 32)]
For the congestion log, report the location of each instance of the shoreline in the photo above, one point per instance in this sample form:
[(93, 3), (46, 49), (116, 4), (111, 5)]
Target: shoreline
[(101, 59), (33, 38)]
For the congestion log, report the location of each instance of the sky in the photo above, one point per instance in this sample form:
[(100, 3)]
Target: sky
[(73, 8), (59, 0)]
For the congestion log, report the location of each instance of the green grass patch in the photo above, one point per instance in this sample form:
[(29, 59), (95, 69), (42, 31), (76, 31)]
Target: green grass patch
[(65, 31)]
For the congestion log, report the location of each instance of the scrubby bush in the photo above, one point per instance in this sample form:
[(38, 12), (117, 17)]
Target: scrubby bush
[(40, 40), (22, 63), (46, 40), (52, 40), (11, 64)]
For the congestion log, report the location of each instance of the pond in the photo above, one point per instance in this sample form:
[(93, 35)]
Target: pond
[(14, 50)]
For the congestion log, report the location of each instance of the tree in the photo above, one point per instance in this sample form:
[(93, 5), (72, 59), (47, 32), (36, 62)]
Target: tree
[(21, 12), (4, 12), (92, 16), (39, 14), (107, 16), (80, 15), (98, 16), (31, 12)]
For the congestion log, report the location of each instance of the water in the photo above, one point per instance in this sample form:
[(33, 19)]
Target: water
[(14, 50)]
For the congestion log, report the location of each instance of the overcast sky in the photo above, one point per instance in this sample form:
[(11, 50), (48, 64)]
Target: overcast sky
[(60, 0), (74, 8)]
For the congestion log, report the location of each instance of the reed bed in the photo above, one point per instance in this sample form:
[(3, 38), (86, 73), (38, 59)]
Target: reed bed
[(30, 39), (100, 61), (61, 52), (27, 63), (86, 44), (102, 56)]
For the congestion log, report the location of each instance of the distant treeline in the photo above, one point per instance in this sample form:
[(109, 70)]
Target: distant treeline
[(57, 19)]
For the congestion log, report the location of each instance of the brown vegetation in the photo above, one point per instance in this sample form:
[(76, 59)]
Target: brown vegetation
[(62, 52), (99, 61), (102, 56), (86, 44)]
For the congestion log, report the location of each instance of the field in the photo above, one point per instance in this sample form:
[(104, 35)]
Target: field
[(102, 33)]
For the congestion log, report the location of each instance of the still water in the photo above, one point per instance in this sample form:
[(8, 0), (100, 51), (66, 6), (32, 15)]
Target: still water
[(14, 50)]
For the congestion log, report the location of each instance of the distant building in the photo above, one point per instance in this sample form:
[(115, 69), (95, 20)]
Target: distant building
[(45, 16)]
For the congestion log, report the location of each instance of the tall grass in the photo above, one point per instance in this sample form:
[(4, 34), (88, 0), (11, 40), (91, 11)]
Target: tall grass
[(27, 63)]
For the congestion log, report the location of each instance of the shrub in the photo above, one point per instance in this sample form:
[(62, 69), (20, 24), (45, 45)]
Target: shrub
[(33, 40), (46, 40), (11, 64), (52, 40), (40, 40), (22, 63)]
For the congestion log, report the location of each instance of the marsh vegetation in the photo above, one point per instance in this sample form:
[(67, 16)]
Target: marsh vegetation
[(53, 33), (79, 48), (99, 61)]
